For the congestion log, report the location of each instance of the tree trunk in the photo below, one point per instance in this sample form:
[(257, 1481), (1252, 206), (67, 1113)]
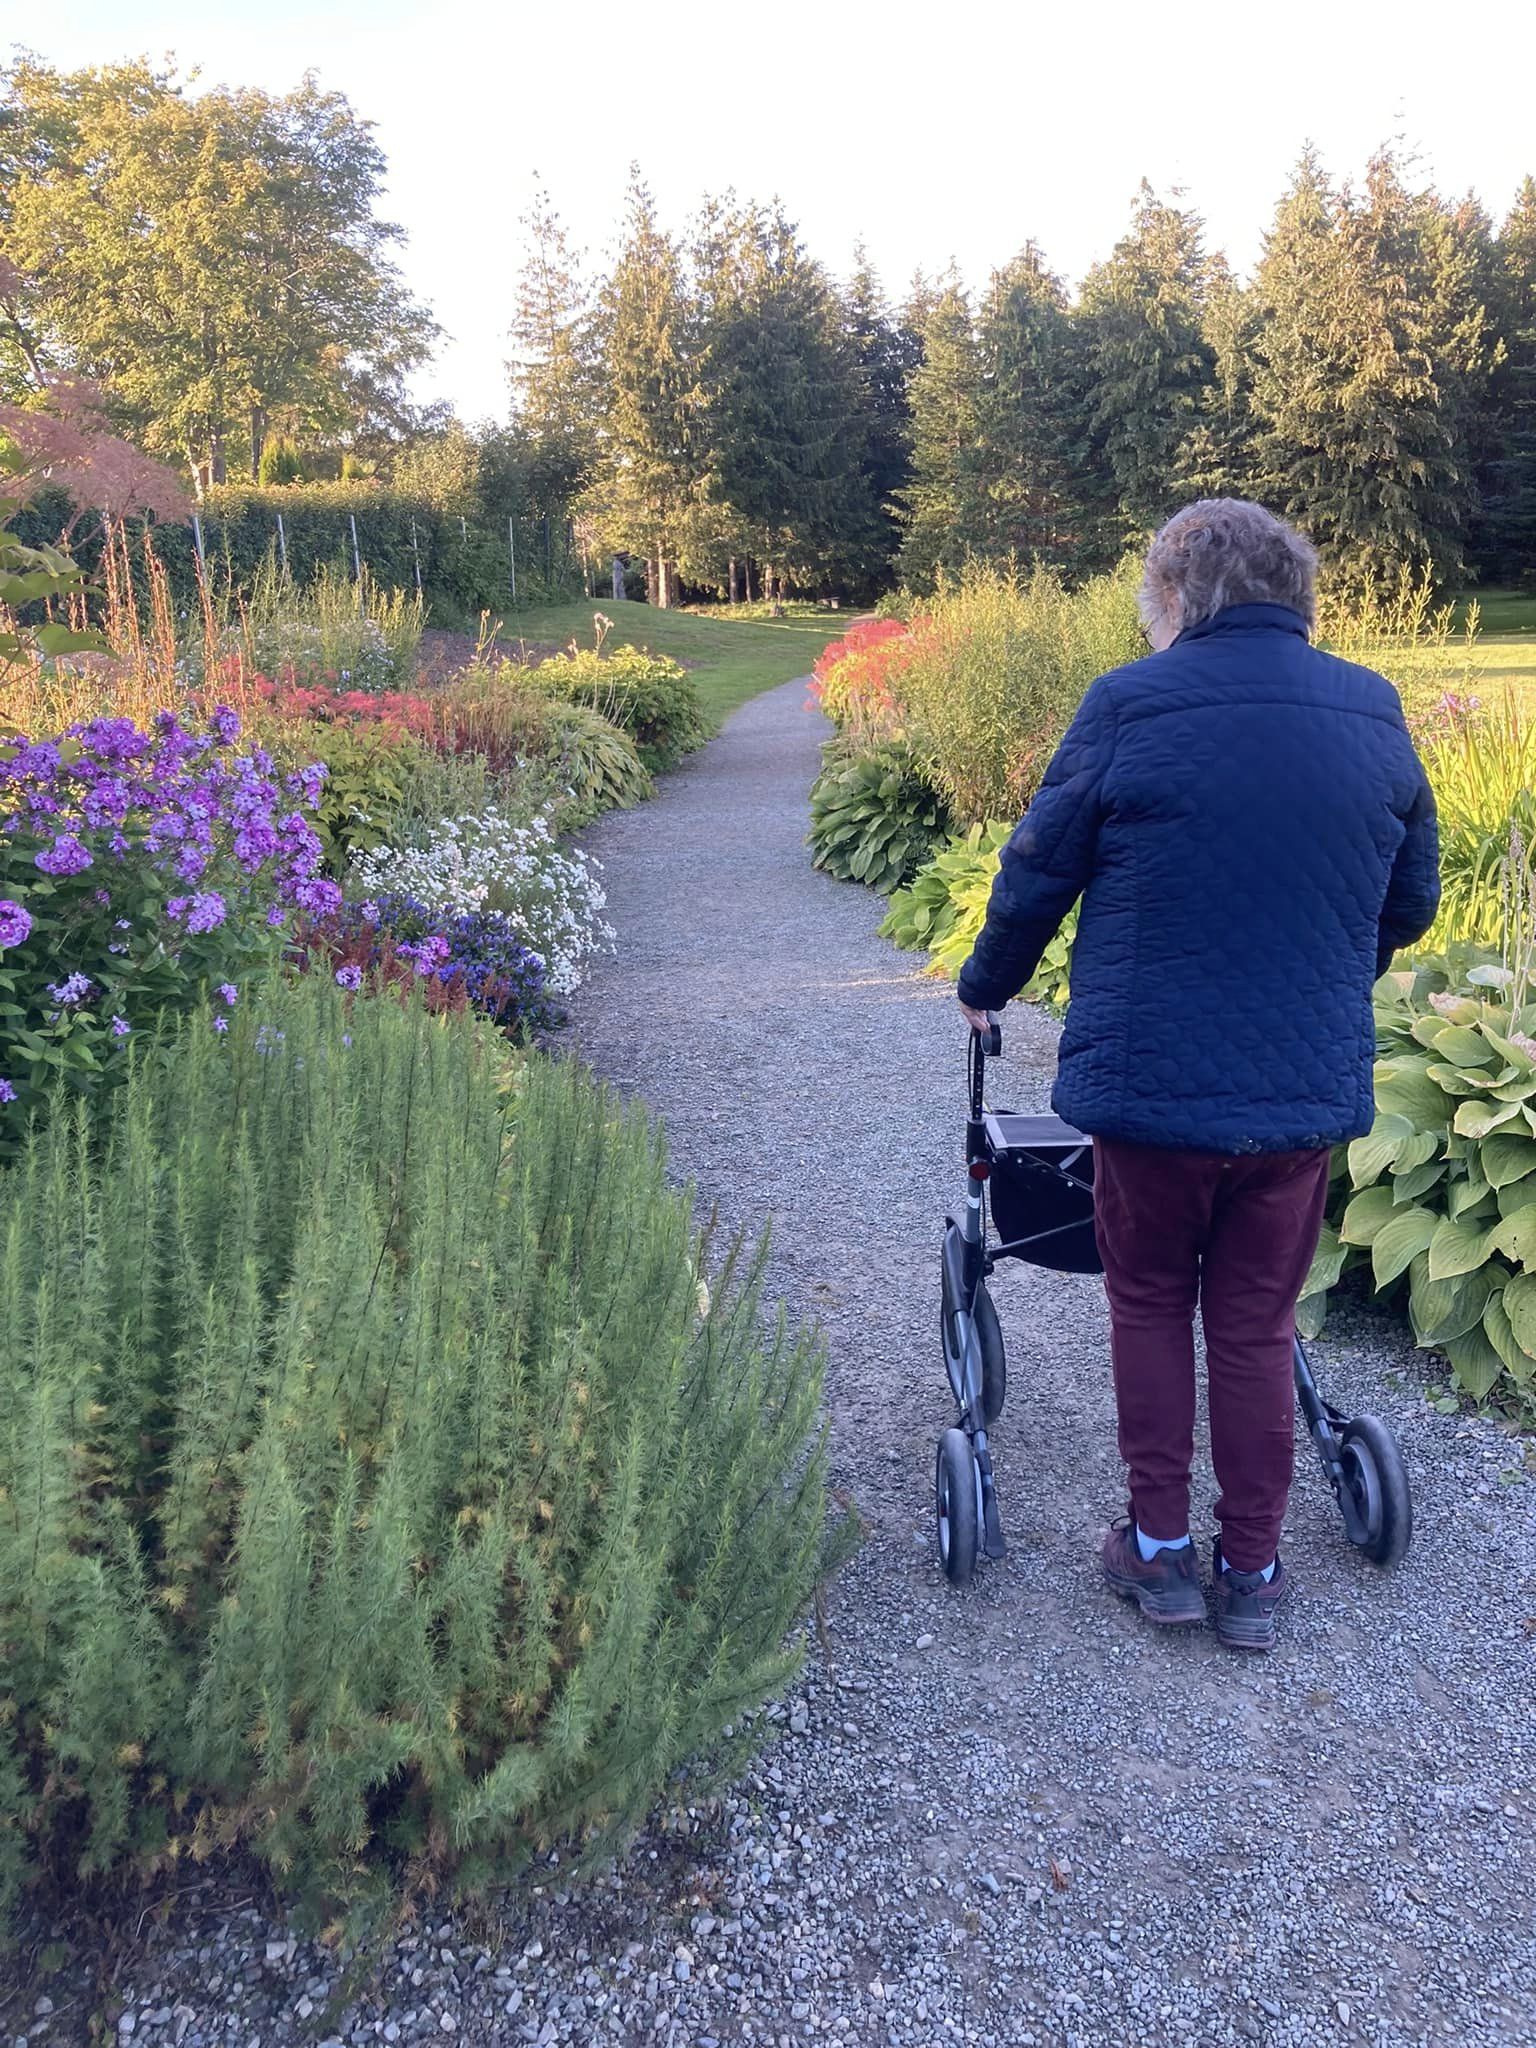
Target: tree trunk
[(216, 473), (734, 583), (650, 579), (666, 577), (747, 568)]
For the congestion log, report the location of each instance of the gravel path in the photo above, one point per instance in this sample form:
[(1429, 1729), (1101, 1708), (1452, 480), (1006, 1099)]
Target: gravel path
[(1012, 1816)]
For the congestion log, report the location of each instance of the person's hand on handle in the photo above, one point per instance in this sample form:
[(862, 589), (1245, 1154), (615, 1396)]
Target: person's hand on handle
[(978, 1020)]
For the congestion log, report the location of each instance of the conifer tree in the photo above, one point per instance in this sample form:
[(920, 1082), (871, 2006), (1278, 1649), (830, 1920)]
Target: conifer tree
[(781, 404), (554, 385), (645, 487), (1147, 360), (1023, 500), (1218, 458), (887, 352), (1504, 530), (1366, 366), (940, 501)]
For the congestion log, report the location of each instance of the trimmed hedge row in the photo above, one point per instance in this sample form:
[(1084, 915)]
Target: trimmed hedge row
[(465, 569)]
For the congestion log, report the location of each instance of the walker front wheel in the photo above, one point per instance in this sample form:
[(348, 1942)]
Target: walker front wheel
[(956, 1504), (1374, 1474)]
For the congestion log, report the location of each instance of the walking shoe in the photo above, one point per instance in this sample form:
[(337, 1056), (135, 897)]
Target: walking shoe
[(1166, 1588), (1246, 1603)]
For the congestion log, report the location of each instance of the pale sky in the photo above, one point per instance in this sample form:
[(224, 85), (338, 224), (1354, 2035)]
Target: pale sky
[(935, 131)]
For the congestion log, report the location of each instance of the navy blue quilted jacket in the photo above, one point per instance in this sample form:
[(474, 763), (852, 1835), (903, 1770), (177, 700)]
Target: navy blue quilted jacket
[(1253, 837)]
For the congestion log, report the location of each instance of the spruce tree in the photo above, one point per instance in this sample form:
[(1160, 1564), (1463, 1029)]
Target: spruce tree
[(887, 352), (645, 486), (1148, 362), (781, 429), (552, 370), (1367, 361), (1218, 458), (1503, 539), (941, 500), (1023, 497)]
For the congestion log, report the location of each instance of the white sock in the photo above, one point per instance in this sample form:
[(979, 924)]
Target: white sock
[(1266, 1575), (1149, 1546)]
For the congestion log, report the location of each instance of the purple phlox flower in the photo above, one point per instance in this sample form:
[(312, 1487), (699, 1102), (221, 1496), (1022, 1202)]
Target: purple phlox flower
[(118, 843), (15, 923), (221, 1023), (207, 912), (229, 992), (121, 1027), (317, 897), (226, 723), (177, 906), (73, 990), (191, 864), (66, 856), (7, 1092), (349, 977), (123, 924), (277, 917), (368, 912), (104, 898)]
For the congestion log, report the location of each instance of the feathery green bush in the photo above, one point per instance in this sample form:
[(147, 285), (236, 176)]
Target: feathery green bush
[(944, 906), (379, 1488), (874, 816)]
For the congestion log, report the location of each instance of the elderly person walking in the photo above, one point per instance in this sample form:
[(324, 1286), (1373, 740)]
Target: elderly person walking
[(1253, 838)]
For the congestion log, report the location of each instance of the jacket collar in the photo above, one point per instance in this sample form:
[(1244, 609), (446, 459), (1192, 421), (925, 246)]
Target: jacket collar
[(1246, 618)]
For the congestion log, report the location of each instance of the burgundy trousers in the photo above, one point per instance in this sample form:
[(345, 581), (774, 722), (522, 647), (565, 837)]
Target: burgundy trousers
[(1235, 1237)]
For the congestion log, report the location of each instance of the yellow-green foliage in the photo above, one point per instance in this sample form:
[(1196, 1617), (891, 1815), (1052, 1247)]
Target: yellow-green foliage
[(1441, 1194), (379, 1488), (943, 908), (1399, 630), (993, 671), (1482, 766), (651, 697)]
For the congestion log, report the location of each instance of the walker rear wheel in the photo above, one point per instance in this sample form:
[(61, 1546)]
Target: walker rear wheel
[(956, 1500), (1374, 1474)]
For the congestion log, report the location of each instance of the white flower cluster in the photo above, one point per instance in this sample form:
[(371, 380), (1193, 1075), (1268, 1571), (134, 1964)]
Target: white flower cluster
[(361, 656), (551, 895)]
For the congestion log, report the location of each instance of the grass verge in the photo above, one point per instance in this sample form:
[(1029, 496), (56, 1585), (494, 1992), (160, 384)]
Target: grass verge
[(732, 659)]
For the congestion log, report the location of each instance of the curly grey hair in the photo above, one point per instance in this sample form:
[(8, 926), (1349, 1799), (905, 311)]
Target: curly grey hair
[(1223, 551)]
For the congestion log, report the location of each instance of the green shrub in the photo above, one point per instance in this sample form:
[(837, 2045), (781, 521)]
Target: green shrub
[(363, 800), (874, 818), (943, 908), (651, 697), (595, 764), (988, 679), (382, 1491), (1482, 766), (1439, 1197)]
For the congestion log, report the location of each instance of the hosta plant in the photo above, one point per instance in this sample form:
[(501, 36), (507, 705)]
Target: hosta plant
[(1441, 1196), (874, 818), (942, 910), (653, 698), (596, 765)]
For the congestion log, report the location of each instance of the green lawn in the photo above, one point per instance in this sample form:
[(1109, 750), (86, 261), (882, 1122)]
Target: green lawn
[(1500, 613), (732, 658)]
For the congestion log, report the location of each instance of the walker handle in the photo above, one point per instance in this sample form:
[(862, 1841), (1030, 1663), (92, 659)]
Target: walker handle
[(990, 1041)]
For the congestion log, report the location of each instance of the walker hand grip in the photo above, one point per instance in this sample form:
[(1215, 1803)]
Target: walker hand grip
[(991, 1040)]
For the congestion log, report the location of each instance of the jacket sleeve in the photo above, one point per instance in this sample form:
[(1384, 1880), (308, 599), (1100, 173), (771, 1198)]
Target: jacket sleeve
[(1047, 863), (1413, 892)]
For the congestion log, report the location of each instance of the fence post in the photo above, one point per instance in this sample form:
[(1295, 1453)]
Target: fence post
[(282, 544), (416, 555), (512, 556), (357, 563), (197, 535), (463, 528)]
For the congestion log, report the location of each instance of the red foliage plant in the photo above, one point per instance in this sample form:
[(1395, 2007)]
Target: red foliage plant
[(65, 441), (855, 679)]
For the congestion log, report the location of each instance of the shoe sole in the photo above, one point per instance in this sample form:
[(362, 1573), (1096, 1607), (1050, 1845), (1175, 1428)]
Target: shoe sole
[(1129, 1590), (1258, 1642)]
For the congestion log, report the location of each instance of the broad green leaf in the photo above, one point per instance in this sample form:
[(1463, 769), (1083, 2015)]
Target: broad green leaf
[(1311, 1314), (1515, 1055), (1477, 1119), (1506, 1156), (1520, 1307), (1370, 1156), (1459, 1245), (1463, 1047), (1365, 1215), (1416, 1151), (1403, 1088), (1327, 1264), (1490, 977), (1401, 1238), (1407, 1187), (1454, 1081), (1464, 1195), (1475, 1362), (1439, 1309), (1515, 1237), (1501, 1336)]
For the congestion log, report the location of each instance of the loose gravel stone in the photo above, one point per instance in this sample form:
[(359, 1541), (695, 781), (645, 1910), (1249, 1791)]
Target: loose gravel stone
[(1182, 1847)]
